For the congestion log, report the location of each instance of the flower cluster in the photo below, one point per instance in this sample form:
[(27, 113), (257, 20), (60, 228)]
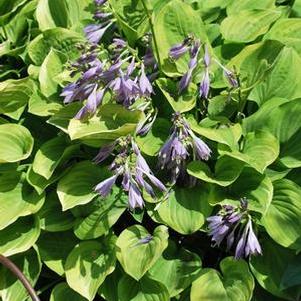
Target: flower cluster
[(119, 72), (130, 165), (175, 152), (234, 224), (193, 46)]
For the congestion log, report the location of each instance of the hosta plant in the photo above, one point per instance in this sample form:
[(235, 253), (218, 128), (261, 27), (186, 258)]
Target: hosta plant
[(150, 150)]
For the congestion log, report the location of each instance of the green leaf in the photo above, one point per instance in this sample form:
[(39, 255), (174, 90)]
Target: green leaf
[(297, 8), (228, 135), (283, 217), (111, 122), (236, 7), (256, 187), (62, 292), (50, 220), (61, 119), (155, 138), (176, 269), (273, 117), (131, 17), (77, 186), (135, 257), (100, 221), (179, 102), (185, 211), (17, 201), (54, 249), (282, 81), (20, 236), (51, 67), (254, 62), (173, 23), (39, 183), (11, 289), (16, 143), (108, 288), (41, 106), (60, 39), (51, 154), (226, 171), (286, 31), (221, 107), (248, 25), (235, 283), (88, 264), (57, 13), (145, 290), (270, 271), (259, 150)]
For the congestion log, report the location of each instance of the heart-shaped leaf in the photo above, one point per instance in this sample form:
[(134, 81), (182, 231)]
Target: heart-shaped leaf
[(144, 290), (88, 265), (259, 150), (270, 270), (248, 25), (77, 186), (283, 218), (234, 283), (54, 249), (20, 236), (105, 215), (16, 143), (176, 268), (137, 251), (227, 170), (185, 211), (62, 292)]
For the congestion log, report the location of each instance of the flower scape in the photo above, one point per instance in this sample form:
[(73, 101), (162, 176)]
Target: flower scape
[(150, 150)]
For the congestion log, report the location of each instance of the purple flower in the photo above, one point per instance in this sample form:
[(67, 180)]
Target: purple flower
[(144, 126), (95, 32), (186, 79), (231, 77), (248, 243), (77, 91), (149, 58), (201, 148), (126, 90), (93, 102), (135, 198), (206, 58), (179, 50), (104, 187), (144, 83), (101, 15), (100, 2), (69, 92), (119, 43), (176, 150), (136, 173), (220, 225), (95, 70), (104, 153), (205, 85), (110, 74), (235, 225), (131, 67)]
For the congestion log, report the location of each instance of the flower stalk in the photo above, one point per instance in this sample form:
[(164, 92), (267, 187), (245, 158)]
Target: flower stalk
[(16, 271)]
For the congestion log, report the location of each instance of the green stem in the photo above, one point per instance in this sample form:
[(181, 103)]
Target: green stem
[(150, 20)]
